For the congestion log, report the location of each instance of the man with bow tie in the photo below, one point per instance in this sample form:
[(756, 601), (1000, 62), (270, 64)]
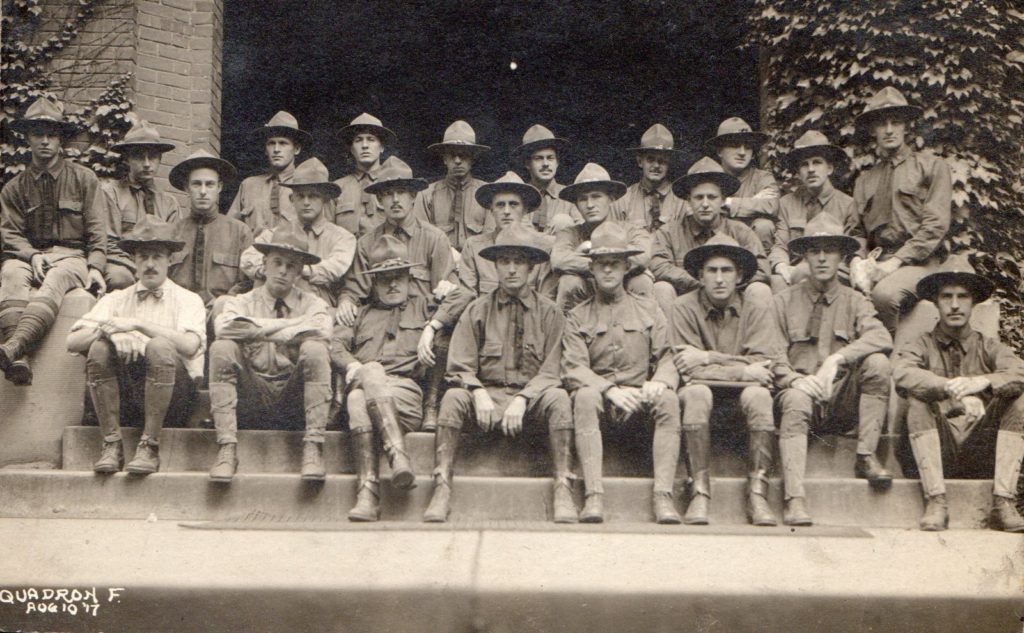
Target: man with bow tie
[(144, 348)]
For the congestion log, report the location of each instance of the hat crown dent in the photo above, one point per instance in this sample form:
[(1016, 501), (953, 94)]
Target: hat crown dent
[(310, 172), (592, 172), (387, 251), (609, 238), (510, 177), (537, 133), (283, 119), (721, 239), (887, 97), (823, 225), (459, 133), (394, 168), (45, 109), (734, 125), (366, 119), (705, 165), (811, 138), (657, 137)]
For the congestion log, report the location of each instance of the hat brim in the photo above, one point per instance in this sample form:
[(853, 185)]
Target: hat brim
[(560, 145), (534, 254), (472, 148), (980, 287), (130, 246), (122, 148), (674, 153), (387, 269), (904, 112), (179, 174), (594, 253), (383, 134), (728, 184), (308, 259), (844, 243), (412, 184), (694, 261), (832, 153), (757, 139), (302, 137), (614, 189), (24, 126), (329, 189), (485, 193)]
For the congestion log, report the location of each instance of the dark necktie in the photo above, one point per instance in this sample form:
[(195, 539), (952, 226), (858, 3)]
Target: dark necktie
[(540, 216), (275, 200), (199, 257), (457, 210), (515, 330), (47, 214), (814, 323), (149, 201), (881, 203), (143, 293), (280, 309), (956, 358), (655, 210)]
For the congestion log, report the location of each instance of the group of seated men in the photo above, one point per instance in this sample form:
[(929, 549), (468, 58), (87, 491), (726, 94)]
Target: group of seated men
[(584, 307)]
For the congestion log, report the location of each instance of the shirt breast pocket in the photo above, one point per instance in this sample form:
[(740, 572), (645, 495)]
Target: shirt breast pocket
[(912, 197), (476, 219), (223, 271), (420, 281), (72, 223)]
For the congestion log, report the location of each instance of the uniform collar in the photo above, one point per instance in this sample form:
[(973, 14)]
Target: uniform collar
[(458, 185), (696, 228), (734, 306), (823, 199), (947, 339), (203, 218), (317, 227), (370, 175), (410, 225), (527, 299), (285, 175), (54, 170), (830, 295), (902, 154), (663, 189), (291, 299), (551, 191)]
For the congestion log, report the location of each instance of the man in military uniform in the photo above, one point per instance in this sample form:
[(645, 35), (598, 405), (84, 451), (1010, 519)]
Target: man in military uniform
[(53, 235), (378, 356), (650, 203), (503, 371), (365, 138), (540, 154), (965, 403), (134, 198), (904, 201), (261, 203), (814, 160), (720, 334), (270, 360), (593, 193), (144, 346), (704, 187), (617, 365), (450, 203), (834, 373)]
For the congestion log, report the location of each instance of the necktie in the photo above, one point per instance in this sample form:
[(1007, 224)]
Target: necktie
[(199, 258), (814, 323), (515, 330), (456, 213), (280, 309), (655, 210), (540, 216), (275, 200), (881, 203), (47, 213), (955, 359), (143, 293), (149, 201)]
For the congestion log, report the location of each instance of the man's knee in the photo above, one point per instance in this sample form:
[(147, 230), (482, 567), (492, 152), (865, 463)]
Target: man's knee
[(641, 285), (160, 349), (315, 360), (557, 407), (758, 293), (455, 407), (224, 355), (765, 230), (875, 374), (1013, 417), (920, 416), (667, 406), (118, 277), (664, 293), (570, 284), (14, 274), (101, 353), (890, 296), (756, 404), (796, 408), (355, 404)]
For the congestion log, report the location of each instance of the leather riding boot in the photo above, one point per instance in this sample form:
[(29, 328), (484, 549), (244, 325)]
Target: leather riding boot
[(698, 451), (871, 412), (759, 449), (563, 506), (446, 443), (227, 463), (795, 512), (593, 509), (367, 507), (384, 416), (313, 461), (432, 397), (928, 456), (146, 460), (1009, 455), (665, 512), (665, 453), (936, 514), (111, 458), (17, 370), (33, 325), (1005, 516)]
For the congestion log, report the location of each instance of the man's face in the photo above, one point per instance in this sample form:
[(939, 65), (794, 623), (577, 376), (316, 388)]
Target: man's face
[(282, 271), (397, 203), (824, 262), (44, 142), (507, 209), (955, 303), (735, 158), (392, 287), (543, 165), (366, 149), (654, 166), (594, 205), (814, 172), (204, 189), (142, 164), (890, 132), (719, 277), (513, 271), (608, 272), (308, 203), (281, 152), (151, 263), (458, 162), (706, 202)]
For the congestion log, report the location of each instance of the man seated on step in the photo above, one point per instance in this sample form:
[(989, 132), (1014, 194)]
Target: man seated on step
[(704, 187), (144, 348), (503, 371), (833, 368), (814, 160), (593, 193), (378, 356), (720, 334), (617, 365), (650, 203), (270, 361), (311, 194), (964, 391), (53, 237)]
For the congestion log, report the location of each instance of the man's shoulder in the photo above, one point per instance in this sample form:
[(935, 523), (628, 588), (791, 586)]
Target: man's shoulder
[(234, 224), (762, 176), (183, 294), (738, 230), (253, 180), (928, 159), (474, 243), (81, 172)]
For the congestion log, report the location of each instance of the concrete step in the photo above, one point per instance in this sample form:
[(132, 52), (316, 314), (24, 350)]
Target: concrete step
[(277, 497), (183, 450)]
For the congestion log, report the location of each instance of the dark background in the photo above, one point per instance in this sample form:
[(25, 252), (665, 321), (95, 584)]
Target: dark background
[(597, 73)]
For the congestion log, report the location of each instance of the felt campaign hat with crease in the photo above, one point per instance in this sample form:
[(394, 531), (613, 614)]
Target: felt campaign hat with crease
[(657, 138), (369, 123), (705, 170), (459, 135), (151, 232), (823, 230), (886, 102), (721, 245), (539, 137), (955, 270), (44, 112), (516, 238), (198, 160), (387, 253), (591, 177), (509, 183), (285, 239), (610, 239), (143, 135), (814, 143), (312, 174), (394, 172), (734, 130), (284, 124)]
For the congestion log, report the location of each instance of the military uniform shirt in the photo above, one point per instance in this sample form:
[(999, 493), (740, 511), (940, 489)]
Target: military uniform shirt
[(550, 207), (798, 208), (384, 334), (252, 204), (434, 205), (566, 259), (758, 195), (635, 206), (673, 241), (355, 210), (224, 240), (125, 205)]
